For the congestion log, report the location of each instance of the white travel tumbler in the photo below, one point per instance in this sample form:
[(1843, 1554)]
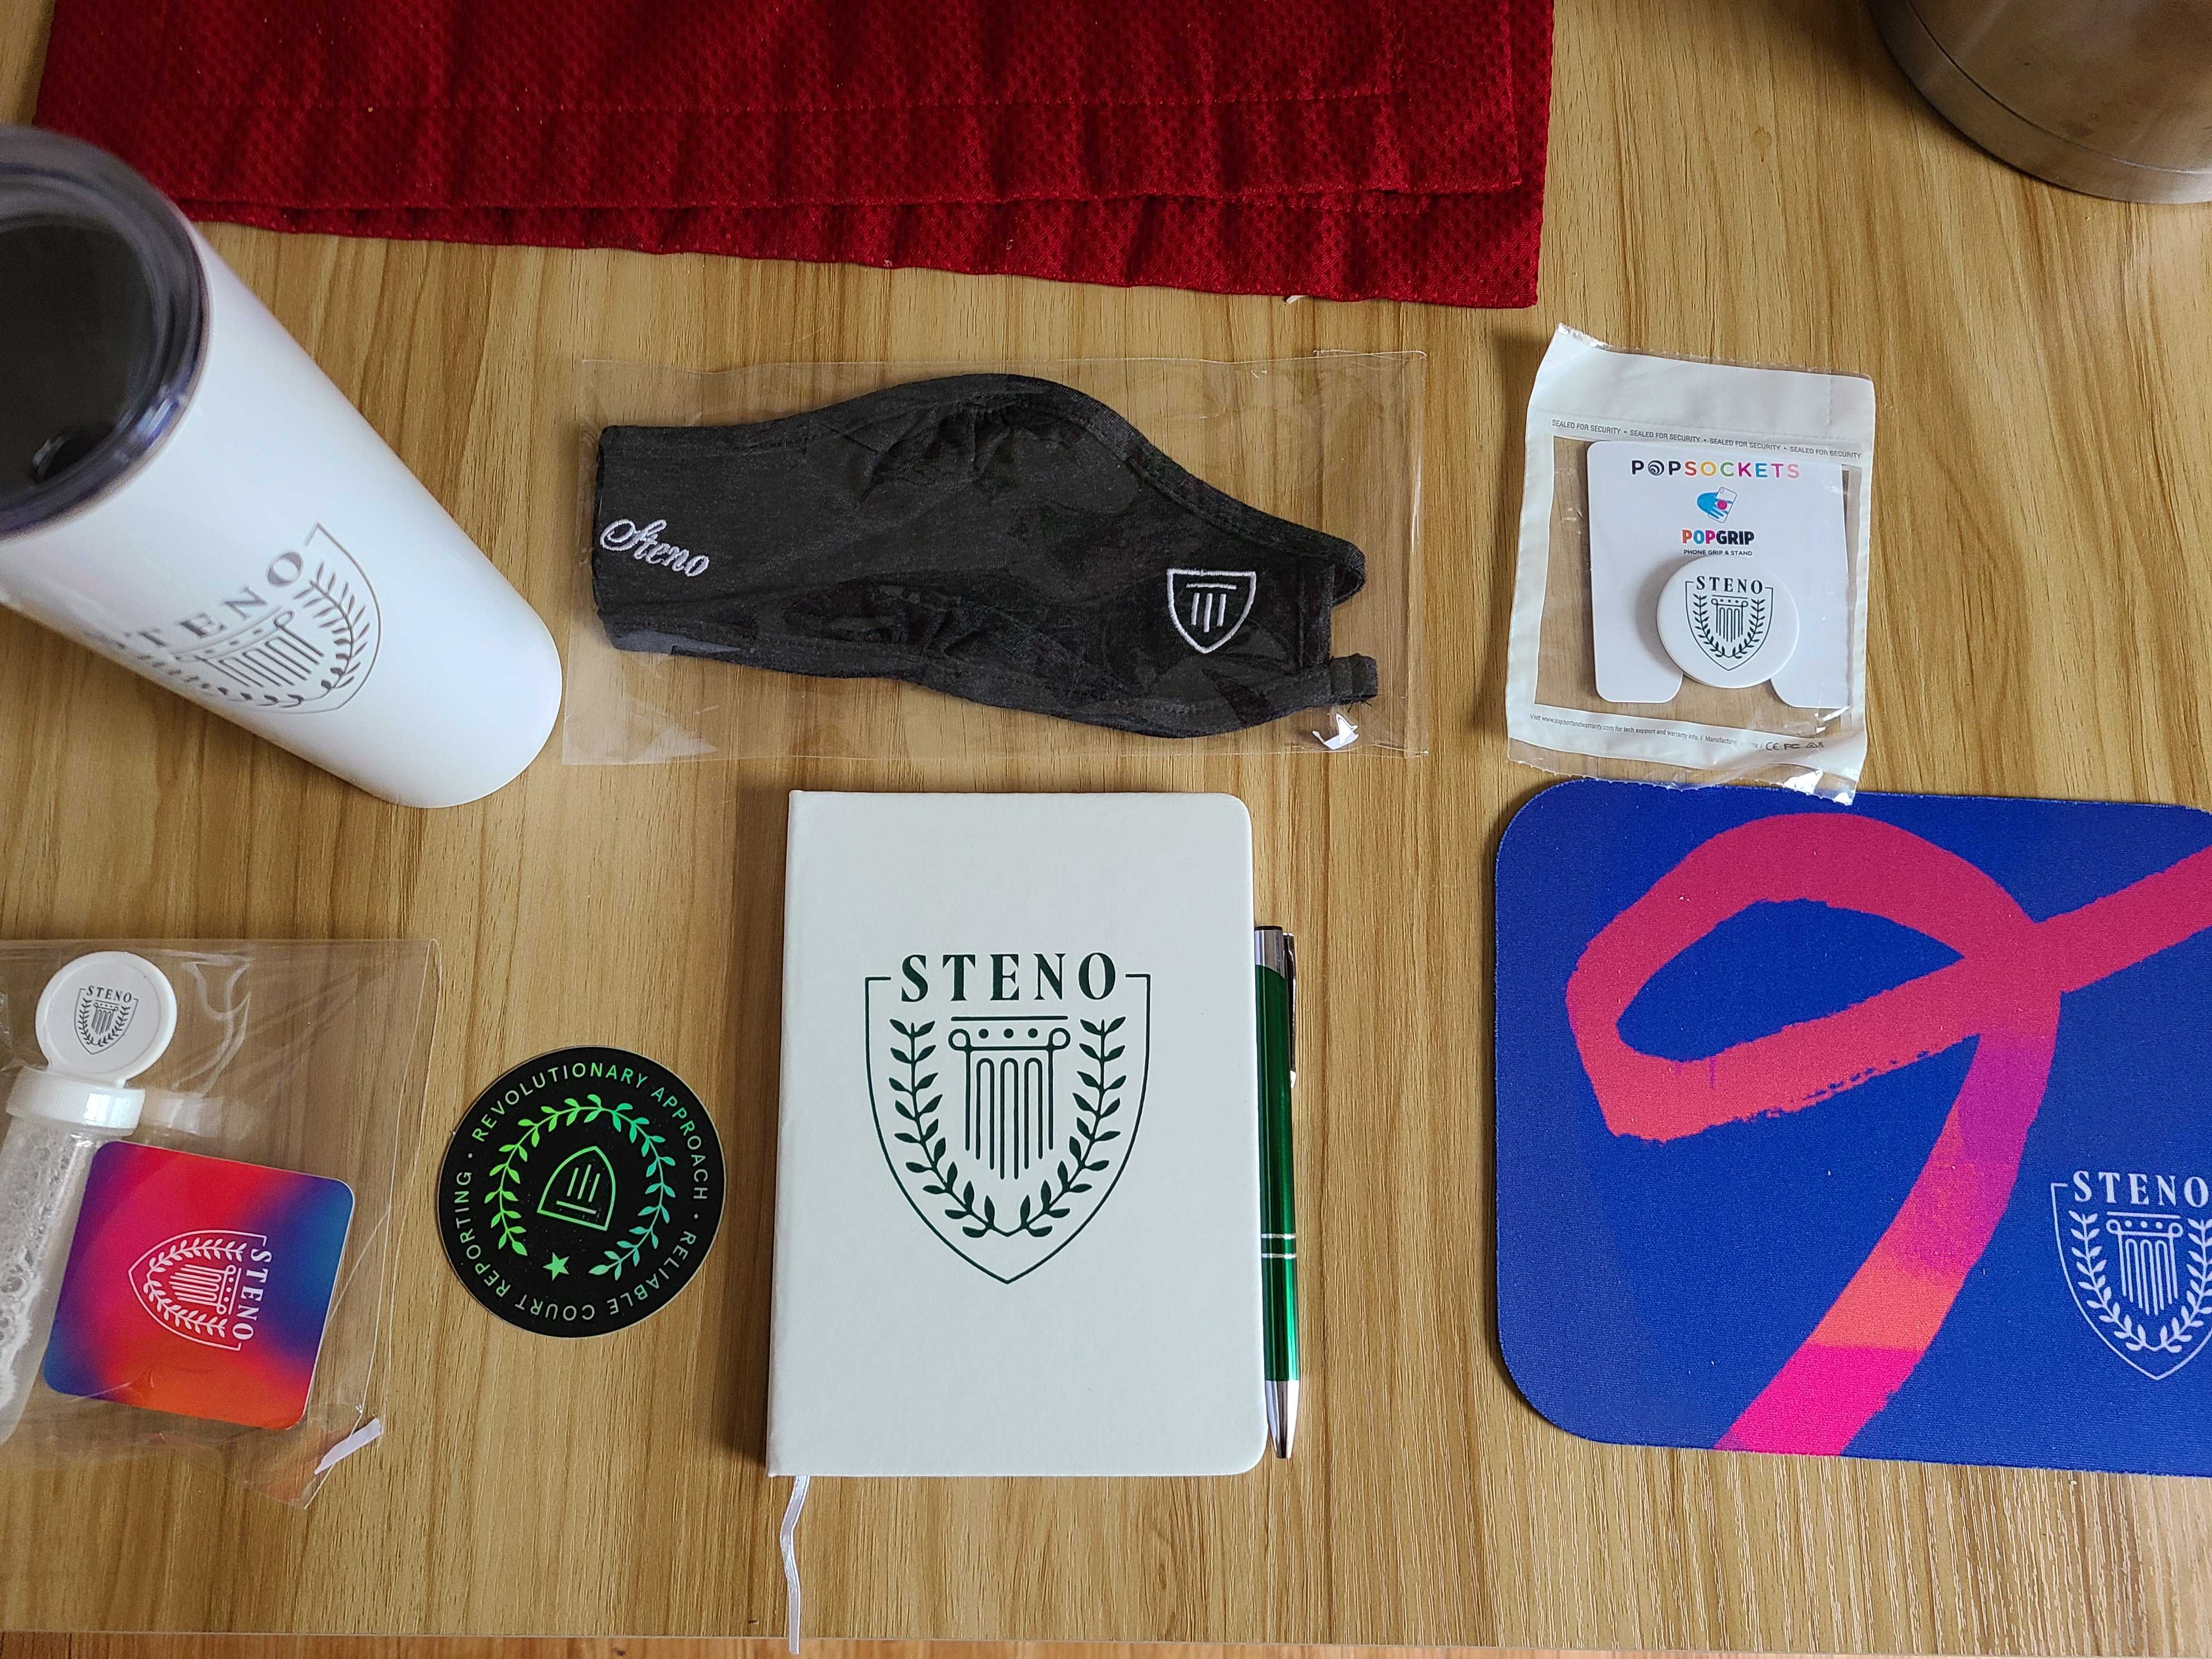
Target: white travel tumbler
[(183, 490), (100, 1021)]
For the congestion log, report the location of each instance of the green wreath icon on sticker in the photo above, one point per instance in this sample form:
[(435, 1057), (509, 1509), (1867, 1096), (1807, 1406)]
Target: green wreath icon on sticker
[(583, 1188)]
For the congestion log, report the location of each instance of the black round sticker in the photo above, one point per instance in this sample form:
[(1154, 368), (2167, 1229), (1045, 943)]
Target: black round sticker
[(581, 1192)]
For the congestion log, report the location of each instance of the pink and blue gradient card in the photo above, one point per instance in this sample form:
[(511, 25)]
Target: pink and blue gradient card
[(198, 1286), (1883, 1130)]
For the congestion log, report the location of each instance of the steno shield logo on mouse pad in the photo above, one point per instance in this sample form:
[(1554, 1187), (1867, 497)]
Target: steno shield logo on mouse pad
[(2136, 1249)]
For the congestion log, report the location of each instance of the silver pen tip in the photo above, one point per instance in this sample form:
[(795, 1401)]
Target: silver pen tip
[(1282, 1416)]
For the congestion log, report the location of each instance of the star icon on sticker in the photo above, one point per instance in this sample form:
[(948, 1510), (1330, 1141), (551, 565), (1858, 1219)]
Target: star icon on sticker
[(556, 1266)]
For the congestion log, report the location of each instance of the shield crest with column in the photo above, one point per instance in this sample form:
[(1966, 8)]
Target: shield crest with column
[(102, 1017), (1729, 626), (2140, 1279), (1007, 1128)]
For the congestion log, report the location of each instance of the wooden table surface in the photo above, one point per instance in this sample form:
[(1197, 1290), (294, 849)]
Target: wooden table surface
[(81, 1645), (1744, 179)]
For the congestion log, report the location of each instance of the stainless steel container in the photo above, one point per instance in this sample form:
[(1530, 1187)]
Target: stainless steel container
[(2113, 97)]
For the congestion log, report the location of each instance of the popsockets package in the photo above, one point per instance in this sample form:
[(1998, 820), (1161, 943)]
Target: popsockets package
[(204, 1145), (907, 561), (1690, 597)]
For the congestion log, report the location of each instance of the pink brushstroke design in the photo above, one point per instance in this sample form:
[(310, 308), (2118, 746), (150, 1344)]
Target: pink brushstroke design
[(2004, 989)]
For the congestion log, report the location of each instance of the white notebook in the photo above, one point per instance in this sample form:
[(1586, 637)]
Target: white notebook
[(1017, 1203)]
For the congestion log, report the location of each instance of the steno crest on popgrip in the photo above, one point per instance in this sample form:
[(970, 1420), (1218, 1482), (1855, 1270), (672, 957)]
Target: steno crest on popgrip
[(1731, 623), (1728, 620)]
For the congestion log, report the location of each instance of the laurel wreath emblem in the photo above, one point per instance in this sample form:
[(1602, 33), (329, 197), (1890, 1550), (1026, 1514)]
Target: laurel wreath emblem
[(348, 623), (336, 605), (88, 1005), (1701, 627), (1049, 1204), (2087, 1255), (652, 1215), (191, 1322)]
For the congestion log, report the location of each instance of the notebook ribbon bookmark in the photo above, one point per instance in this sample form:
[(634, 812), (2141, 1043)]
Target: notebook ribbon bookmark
[(786, 1540)]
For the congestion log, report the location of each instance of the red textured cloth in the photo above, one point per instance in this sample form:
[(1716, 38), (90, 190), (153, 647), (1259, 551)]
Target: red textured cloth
[(1346, 149)]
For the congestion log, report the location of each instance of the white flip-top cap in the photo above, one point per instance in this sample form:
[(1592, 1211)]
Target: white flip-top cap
[(100, 1022)]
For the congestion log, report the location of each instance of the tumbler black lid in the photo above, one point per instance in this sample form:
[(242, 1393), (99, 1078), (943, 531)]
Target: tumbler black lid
[(103, 323)]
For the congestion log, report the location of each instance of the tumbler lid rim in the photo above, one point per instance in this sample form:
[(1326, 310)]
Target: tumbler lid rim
[(49, 179)]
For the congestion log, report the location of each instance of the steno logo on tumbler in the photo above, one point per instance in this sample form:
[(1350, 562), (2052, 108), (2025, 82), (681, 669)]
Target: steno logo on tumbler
[(303, 636), (185, 492)]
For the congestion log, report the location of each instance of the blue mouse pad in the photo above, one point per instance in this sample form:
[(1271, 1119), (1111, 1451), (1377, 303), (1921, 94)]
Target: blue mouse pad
[(1883, 1130)]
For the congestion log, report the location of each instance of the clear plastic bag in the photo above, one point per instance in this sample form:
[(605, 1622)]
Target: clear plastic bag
[(1727, 434), (1332, 442), (305, 1056)]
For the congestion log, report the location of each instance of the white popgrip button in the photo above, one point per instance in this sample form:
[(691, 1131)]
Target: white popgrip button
[(1727, 619)]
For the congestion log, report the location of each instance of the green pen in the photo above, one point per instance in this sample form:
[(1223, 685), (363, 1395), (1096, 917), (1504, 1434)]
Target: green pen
[(1275, 976)]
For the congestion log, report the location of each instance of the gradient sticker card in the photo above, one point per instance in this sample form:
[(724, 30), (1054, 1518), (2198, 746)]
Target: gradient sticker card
[(1883, 1130), (198, 1286)]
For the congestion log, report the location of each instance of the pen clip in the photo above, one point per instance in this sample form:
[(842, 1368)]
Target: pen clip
[(1291, 983)]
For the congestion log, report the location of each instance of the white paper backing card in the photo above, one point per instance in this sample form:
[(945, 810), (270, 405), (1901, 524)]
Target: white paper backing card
[(1653, 506), (1126, 1341)]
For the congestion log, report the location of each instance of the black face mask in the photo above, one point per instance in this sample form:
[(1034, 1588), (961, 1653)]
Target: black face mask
[(1004, 539)]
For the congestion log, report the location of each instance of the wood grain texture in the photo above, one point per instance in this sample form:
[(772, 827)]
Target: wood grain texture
[(1743, 178), (90, 1646)]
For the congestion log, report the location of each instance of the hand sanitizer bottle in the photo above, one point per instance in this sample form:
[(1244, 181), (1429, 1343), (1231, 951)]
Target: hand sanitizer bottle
[(100, 1021)]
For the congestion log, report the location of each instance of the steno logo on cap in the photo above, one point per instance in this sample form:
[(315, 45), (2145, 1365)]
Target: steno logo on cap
[(103, 1015)]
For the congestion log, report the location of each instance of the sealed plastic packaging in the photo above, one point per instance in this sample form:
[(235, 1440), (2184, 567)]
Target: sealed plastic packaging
[(913, 561), (204, 1152), (1690, 601)]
